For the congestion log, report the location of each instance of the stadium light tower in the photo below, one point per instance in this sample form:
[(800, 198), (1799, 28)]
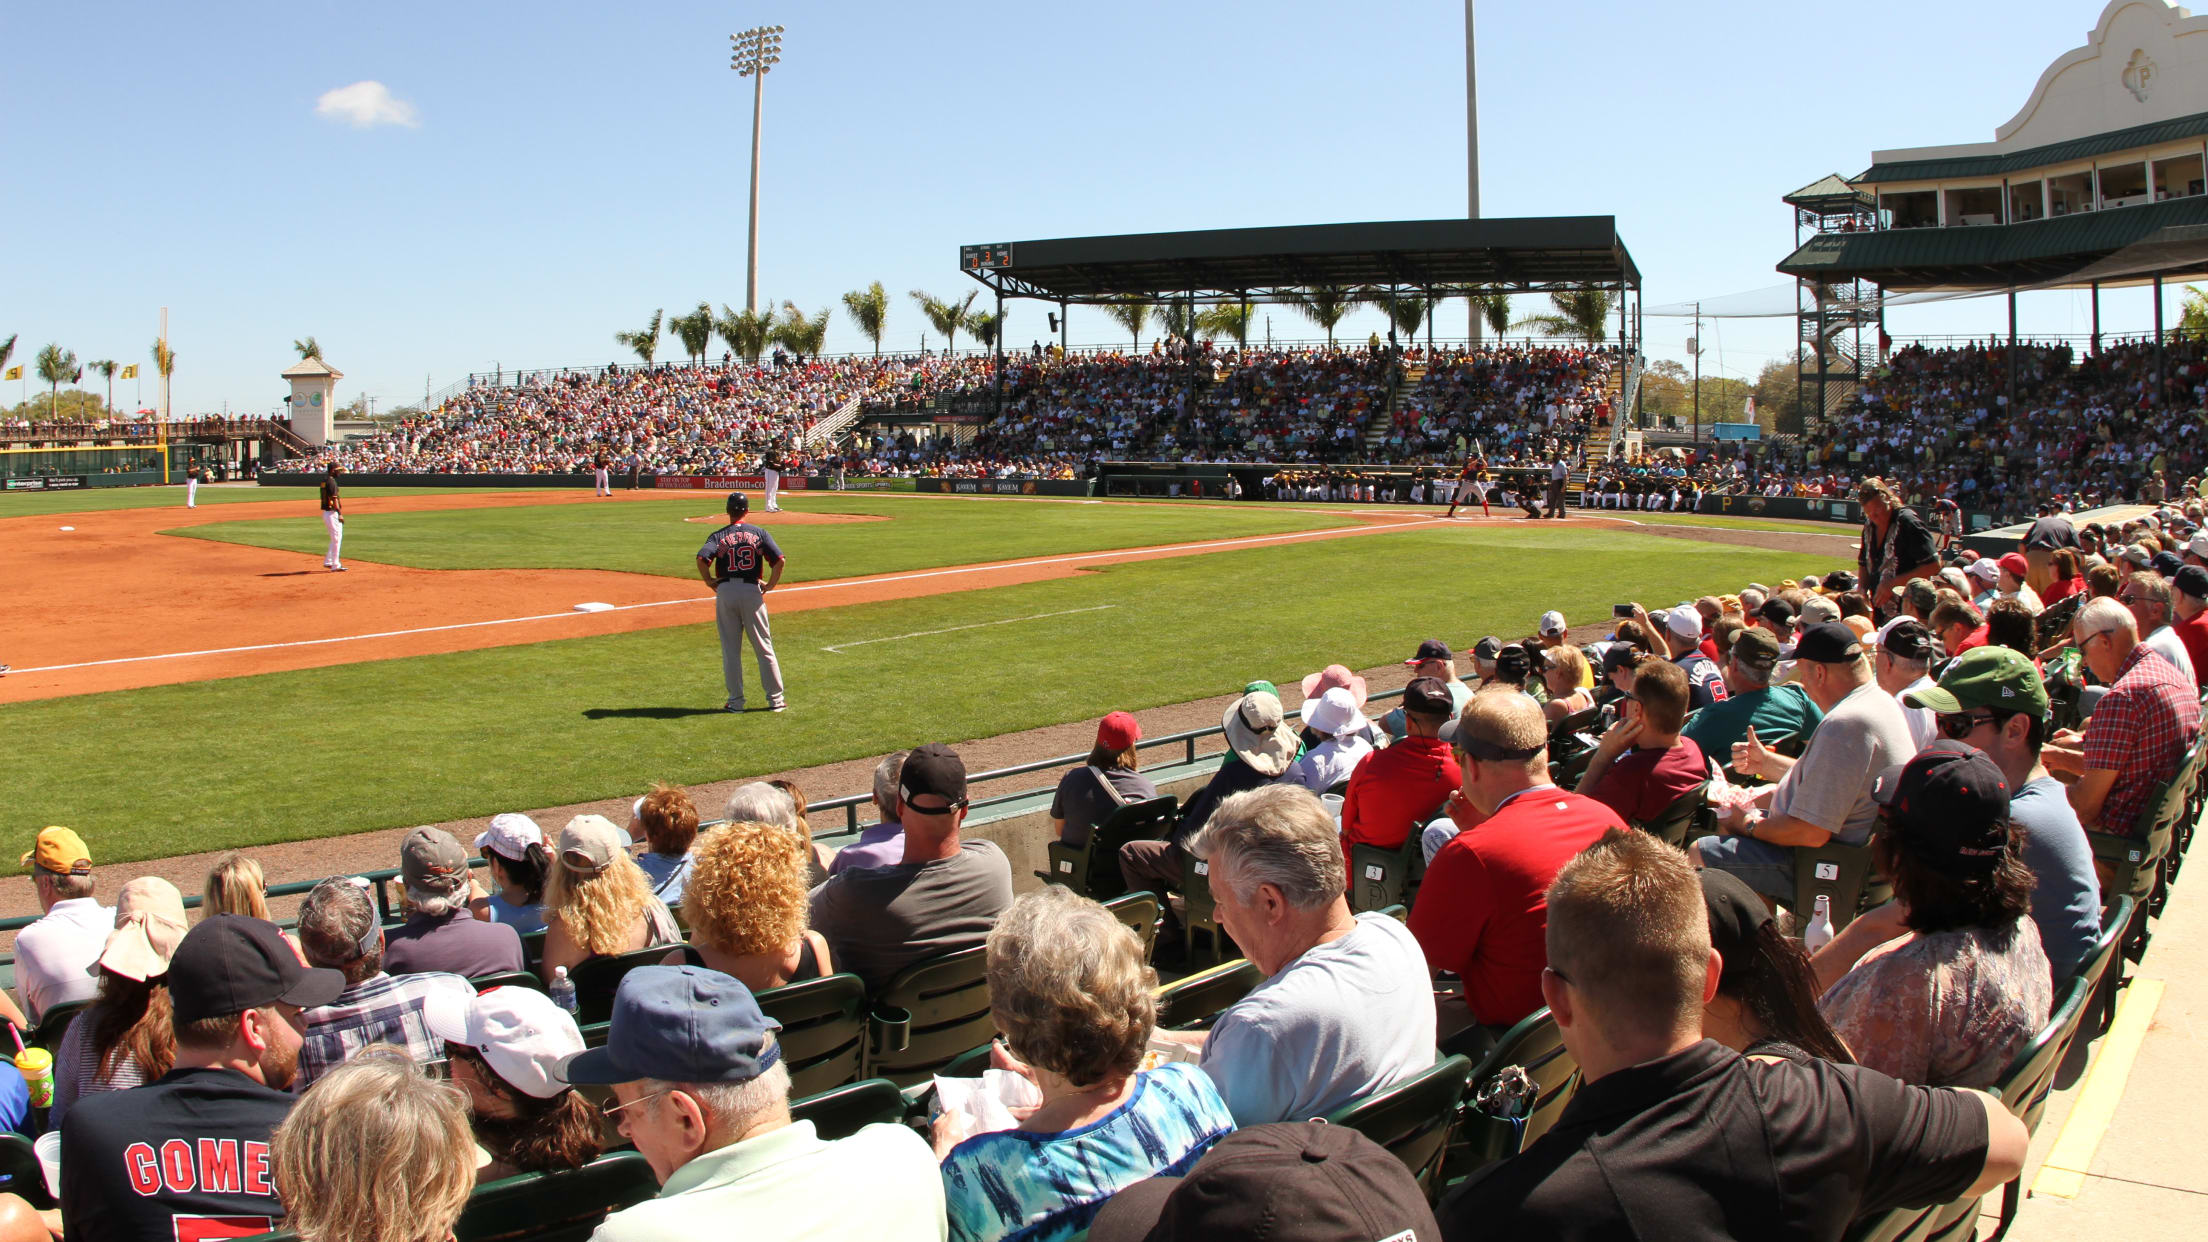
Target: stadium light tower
[(756, 51)]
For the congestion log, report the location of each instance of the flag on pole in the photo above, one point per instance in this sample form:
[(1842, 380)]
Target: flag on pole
[(15, 372), (130, 371)]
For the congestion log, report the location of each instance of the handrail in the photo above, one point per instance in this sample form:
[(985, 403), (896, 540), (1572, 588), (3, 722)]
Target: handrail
[(827, 429)]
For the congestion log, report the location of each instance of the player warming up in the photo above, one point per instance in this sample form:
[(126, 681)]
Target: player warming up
[(191, 486), (333, 519), (770, 472), (729, 563), (601, 480), (1471, 482)]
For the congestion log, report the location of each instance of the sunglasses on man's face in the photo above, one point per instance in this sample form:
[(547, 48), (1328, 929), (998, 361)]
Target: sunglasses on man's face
[(1958, 726)]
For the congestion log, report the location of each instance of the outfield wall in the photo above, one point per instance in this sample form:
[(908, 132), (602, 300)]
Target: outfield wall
[(672, 482), (1005, 487)]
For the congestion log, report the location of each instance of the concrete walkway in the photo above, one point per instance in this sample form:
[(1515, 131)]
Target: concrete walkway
[(2115, 1156)]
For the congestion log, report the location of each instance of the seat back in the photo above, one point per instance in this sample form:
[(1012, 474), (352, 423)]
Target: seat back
[(1199, 914), (532, 951), (2030, 1076), (19, 1170), (1687, 816), (597, 978), (823, 1034), (1413, 1118), (507, 979), (1534, 1046), (1842, 872), (848, 1109), (556, 1207), (54, 1023), (931, 1012), (1380, 877), (1192, 1003), (1140, 912), (1092, 869)]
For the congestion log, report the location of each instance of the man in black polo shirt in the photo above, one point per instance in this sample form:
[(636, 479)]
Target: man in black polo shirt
[(1897, 546), (1677, 1137), (187, 1156)]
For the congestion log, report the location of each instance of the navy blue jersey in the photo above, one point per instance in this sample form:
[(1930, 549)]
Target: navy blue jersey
[(738, 551)]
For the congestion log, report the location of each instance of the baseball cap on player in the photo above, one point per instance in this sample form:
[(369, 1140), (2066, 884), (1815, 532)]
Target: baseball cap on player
[(738, 504)]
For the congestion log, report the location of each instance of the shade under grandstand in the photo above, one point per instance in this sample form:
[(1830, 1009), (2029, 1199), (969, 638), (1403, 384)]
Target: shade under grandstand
[(1441, 257)]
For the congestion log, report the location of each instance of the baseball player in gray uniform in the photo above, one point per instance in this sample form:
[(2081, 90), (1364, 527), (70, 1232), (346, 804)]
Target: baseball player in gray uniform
[(729, 563)]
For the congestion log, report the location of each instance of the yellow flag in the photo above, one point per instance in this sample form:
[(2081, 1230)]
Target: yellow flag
[(131, 371), (15, 373)]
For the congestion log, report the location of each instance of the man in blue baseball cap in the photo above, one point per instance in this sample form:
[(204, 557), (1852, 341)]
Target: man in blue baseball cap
[(700, 1087)]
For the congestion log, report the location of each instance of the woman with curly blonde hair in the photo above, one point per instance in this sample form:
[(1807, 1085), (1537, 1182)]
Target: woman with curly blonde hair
[(748, 908), (598, 902), (1076, 1003), (375, 1152)]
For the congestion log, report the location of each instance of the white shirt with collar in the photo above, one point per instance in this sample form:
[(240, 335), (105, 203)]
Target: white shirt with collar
[(54, 956), (2165, 642)]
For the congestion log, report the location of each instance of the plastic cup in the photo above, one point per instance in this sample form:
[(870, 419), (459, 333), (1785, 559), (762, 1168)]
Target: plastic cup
[(37, 1067), (1333, 804)]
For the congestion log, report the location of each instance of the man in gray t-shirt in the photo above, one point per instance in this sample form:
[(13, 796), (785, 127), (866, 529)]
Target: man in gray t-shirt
[(1826, 794), (944, 896)]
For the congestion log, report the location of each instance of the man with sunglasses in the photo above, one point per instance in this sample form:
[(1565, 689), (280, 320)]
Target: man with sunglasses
[(943, 896), (2147, 595), (2136, 735), (1480, 913), (1994, 700)]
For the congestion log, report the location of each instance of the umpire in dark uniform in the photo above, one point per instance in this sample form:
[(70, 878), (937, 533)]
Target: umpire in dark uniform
[(730, 563)]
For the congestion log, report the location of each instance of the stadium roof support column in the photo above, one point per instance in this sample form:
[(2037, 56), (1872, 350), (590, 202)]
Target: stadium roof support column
[(1471, 150), (1000, 356), (2096, 317), (2161, 371), (2012, 351)]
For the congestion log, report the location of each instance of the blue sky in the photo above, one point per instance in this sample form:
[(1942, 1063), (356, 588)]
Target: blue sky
[(567, 168)]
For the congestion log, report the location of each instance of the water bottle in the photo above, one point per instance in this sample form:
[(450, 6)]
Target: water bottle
[(563, 988), (1817, 936)]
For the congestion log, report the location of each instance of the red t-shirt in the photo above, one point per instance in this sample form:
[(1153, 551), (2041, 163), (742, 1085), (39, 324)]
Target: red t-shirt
[(1483, 911), (2061, 589), (2194, 634), (1976, 638), (1645, 781), (1396, 790), (1709, 648)]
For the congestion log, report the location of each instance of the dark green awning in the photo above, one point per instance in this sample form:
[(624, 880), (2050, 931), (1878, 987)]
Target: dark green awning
[(1999, 256), (2159, 132)]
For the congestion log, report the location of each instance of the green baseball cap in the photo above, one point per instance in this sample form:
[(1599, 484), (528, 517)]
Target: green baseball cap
[(1997, 677)]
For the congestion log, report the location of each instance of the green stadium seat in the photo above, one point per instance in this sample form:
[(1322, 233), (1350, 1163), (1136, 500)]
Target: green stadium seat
[(1536, 1046), (1842, 872), (1413, 1118), (2102, 967), (54, 1023), (1191, 1003), (823, 1032), (1687, 817), (556, 1207), (929, 1014), (597, 978), (1092, 869), (1140, 912), (848, 1109), (508, 979), (532, 951), (1380, 877), (2030, 1077), (19, 1170), (1199, 915)]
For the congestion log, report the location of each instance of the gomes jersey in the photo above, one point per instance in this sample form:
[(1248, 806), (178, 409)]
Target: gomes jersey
[(738, 550), (185, 1157)]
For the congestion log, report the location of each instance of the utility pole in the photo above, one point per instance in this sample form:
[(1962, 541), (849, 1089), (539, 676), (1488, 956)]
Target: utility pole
[(1471, 151), (756, 51), (1694, 346)]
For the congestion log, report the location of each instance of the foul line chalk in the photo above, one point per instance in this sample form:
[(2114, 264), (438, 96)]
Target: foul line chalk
[(1335, 532), (978, 625)]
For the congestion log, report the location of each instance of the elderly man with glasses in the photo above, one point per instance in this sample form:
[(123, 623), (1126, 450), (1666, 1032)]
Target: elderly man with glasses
[(2137, 734), (943, 896), (2147, 595), (699, 1086)]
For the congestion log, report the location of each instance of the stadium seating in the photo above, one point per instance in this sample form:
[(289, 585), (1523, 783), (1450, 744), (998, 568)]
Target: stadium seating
[(1140, 912), (1381, 877), (1839, 871), (1511, 1119), (597, 978), (1092, 868), (556, 1207), (931, 1012), (1191, 1003), (846, 1110), (823, 1032), (1413, 1118), (1688, 816)]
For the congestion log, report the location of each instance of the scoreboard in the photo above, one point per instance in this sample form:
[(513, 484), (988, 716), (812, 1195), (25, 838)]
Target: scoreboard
[(980, 258)]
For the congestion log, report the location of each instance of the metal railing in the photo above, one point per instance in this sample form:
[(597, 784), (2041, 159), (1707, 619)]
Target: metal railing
[(827, 429)]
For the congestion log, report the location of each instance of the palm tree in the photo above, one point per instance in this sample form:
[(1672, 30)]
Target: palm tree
[(1325, 305), (1582, 314), (694, 330), (985, 326), (56, 364), (1130, 312), (945, 317), (869, 308), (1177, 318), (106, 368), (801, 336), (1405, 309), (7, 349), (1227, 319), (309, 348), (1494, 306), (645, 343), (746, 331)]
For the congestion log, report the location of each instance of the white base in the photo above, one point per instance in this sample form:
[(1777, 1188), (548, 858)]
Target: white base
[(594, 607)]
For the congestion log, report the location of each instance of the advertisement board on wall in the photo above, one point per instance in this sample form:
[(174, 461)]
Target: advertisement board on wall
[(726, 482), (46, 483)]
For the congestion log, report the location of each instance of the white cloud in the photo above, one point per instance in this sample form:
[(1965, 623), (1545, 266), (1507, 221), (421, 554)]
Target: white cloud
[(365, 105)]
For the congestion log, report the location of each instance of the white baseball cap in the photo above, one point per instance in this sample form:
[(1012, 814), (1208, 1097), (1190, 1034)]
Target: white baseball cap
[(1984, 567), (1552, 622), (1685, 621), (510, 835), (519, 1032), (2198, 546)]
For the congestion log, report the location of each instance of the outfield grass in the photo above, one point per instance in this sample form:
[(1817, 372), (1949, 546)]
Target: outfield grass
[(296, 755), (103, 499), (651, 537)]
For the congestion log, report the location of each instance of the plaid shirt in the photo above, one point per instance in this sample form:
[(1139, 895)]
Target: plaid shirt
[(382, 1009), (2140, 731)]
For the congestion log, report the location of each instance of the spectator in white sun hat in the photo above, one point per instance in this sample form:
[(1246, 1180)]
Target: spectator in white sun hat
[(505, 1048), (519, 864), (1316, 684), (1985, 581), (1343, 741)]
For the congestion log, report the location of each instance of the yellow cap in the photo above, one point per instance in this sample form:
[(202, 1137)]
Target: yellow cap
[(61, 851)]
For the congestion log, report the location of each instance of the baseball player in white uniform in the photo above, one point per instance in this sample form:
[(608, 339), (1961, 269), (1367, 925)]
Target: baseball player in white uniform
[(730, 563), (333, 520), (770, 469), (191, 487)]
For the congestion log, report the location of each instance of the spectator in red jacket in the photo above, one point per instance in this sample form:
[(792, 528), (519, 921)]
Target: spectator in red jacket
[(2189, 602), (1482, 913), (1396, 790)]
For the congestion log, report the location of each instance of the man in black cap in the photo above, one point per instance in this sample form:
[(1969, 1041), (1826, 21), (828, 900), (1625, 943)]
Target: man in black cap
[(1302, 1181), (1904, 665), (1827, 792), (191, 1150), (1777, 617), (944, 896)]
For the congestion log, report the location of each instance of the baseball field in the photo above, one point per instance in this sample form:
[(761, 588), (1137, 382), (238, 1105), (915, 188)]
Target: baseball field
[(189, 680)]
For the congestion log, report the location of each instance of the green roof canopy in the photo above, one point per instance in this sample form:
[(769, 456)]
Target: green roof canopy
[(2164, 238), (2193, 126)]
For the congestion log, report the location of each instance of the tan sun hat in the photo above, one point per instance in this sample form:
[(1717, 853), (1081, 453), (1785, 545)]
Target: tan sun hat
[(149, 924)]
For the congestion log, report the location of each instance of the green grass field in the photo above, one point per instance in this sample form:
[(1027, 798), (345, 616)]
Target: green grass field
[(105, 499), (298, 755), (651, 537)]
